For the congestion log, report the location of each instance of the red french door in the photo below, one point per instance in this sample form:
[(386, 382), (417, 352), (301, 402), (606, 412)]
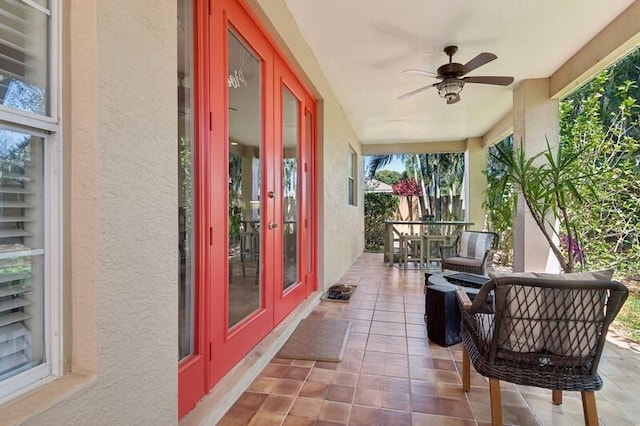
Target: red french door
[(254, 177), (291, 154), (243, 203)]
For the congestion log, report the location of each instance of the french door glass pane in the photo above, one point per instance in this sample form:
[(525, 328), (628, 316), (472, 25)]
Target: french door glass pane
[(25, 52), (186, 217), (22, 343), (244, 84), (290, 132)]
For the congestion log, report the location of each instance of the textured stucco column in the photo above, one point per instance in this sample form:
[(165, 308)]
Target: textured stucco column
[(121, 215), (535, 121), (475, 182)]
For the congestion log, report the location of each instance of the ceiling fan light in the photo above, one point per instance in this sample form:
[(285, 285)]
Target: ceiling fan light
[(450, 88)]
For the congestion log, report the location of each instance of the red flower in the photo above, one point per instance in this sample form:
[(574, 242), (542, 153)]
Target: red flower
[(407, 188)]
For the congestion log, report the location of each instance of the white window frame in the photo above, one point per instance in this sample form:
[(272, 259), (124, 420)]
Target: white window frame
[(352, 180), (48, 128)]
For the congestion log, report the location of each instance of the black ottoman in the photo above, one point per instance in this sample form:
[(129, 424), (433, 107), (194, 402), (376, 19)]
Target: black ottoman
[(443, 314)]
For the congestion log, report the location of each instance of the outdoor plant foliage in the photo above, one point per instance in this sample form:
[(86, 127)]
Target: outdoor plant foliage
[(600, 124), (551, 190), (378, 207), (599, 134)]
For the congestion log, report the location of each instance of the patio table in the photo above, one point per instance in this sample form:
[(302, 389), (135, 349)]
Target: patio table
[(396, 228)]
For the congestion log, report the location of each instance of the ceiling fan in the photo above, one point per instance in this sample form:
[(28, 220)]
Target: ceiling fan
[(452, 76)]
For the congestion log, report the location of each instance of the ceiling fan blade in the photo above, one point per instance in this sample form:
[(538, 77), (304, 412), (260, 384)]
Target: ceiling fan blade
[(453, 100), (478, 61), (414, 71), (498, 81), (415, 92)]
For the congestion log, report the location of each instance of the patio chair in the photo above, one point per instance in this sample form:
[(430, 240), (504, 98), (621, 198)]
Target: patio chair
[(472, 252), (543, 330)]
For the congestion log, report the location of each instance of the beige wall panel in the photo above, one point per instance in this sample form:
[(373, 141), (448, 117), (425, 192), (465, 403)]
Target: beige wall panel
[(124, 238)]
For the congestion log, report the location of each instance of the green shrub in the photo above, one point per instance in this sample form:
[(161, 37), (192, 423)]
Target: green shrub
[(378, 207)]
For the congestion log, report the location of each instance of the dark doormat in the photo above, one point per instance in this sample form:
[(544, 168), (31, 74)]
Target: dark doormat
[(317, 339), (340, 292)]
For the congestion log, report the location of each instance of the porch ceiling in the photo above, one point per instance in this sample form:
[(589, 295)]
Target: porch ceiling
[(363, 45)]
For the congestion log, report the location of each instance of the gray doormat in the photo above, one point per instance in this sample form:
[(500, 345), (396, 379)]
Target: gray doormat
[(317, 339)]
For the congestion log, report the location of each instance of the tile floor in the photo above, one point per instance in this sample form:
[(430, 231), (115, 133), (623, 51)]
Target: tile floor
[(393, 375)]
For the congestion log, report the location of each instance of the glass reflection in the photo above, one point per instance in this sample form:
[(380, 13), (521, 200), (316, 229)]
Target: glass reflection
[(244, 82), (290, 130), (186, 237)]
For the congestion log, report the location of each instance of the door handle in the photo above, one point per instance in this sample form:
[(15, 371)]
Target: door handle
[(272, 225)]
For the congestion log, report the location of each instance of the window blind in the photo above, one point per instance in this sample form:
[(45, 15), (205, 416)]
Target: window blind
[(21, 253), (23, 56)]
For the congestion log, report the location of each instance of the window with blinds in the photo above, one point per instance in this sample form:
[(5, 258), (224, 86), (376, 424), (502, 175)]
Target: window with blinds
[(24, 62), (21, 252), (29, 196)]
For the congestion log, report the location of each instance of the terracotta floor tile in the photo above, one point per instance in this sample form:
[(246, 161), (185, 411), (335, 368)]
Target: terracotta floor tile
[(396, 401), (369, 382), (317, 390), (360, 326), (368, 397), (396, 370), (276, 404), (303, 363), (391, 368), (444, 364), (250, 401), (306, 408), (414, 318), (235, 417), (340, 393), (326, 423), (274, 370), (353, 366), (297, 421), (354, 313), (345, 378), (277, 360), (287, 387), (388, 328), (296, 373), (421, 419), (441, 406), (388, 316), (415, 330), (327, 365), (336, 412), (321, 375), (263, 384), (421, 387), (373, 357), (365, 416), (396, 418), (267, 419)]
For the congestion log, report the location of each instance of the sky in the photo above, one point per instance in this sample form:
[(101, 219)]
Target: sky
[(395, 165)]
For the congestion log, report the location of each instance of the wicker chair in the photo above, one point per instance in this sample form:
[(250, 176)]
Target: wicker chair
[(539, 332), (471, 252)]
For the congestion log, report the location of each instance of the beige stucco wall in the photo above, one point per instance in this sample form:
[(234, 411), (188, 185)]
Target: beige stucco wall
[(119, 136), (341, 226), (475, 182), (535, 123)]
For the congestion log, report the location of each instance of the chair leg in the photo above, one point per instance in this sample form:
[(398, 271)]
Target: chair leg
[(466, 370), (496, 403), (589, 408), (405, 252), (556, 396)]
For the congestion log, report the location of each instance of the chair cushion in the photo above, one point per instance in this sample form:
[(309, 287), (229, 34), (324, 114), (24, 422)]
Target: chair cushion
[(474, 244), (553, 320), (463, 261)]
